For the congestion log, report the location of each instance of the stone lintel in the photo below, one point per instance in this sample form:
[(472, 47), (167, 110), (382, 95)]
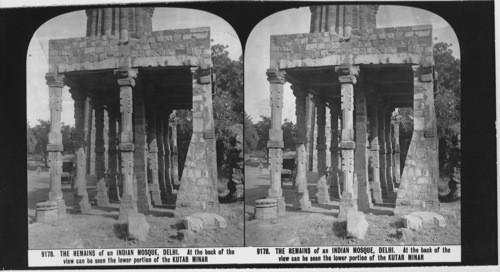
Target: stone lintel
[(127, 147), (275, 144), (54, 147), (347, 145)]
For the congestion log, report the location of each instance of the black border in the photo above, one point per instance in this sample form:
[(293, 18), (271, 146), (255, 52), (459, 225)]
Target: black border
[(473, 22)]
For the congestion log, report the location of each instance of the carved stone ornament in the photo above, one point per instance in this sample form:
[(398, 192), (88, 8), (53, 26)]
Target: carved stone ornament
[(275, 76), (54, 80)]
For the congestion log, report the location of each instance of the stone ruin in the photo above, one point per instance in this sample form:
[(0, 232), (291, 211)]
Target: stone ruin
[(138, 78), (363, 74)]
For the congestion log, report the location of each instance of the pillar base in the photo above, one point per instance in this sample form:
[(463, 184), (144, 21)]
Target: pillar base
[(156, 194), (281, 205), (347, 202), (302, 201), (376, 193), (81, 203), (127, 206), (61, 205)]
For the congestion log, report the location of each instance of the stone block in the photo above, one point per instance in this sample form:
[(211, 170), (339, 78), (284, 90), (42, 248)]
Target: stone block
[(412, 222), (430, 219), (188, 236), (356, 224), (46, 211), (138, 227), (200, 221), (265, 209), (404, 234)]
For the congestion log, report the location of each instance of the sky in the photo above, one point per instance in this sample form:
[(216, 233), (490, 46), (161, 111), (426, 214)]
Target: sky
[(294, 21), (72, 25)]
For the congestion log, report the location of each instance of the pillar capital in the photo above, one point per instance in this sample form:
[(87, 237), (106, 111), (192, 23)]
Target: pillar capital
[(77, 94), (202, 76), (275, 76), (54, 80), (126, 76), (347, 74)]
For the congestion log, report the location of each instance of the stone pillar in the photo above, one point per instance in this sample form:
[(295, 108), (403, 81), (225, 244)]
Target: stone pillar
[(140, 154), (361, 152), (396, 172), (418, 189), (55, 146), (348, 200), (323, 195), (374, 153), (166, 159), (277, 80), (161, 154), (81, 200), (108, 20), (124, 24), (102, 191), (87, 130), (112, 154), (388, 148), (310, 120), (198, 189), (302, 194), (334, 148), (153, 156), (382, 151), (126, 82), (174, 159)]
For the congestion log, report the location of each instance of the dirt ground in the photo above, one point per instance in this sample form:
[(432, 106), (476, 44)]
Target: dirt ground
[(316, 226), (100, 228)]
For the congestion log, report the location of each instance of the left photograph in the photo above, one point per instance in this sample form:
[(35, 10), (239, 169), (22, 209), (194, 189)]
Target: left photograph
[(135, 130)]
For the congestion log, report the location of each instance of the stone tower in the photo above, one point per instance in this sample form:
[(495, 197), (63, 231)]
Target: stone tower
[(119, 22)]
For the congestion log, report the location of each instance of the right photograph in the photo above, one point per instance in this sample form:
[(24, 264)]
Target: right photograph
[(352, 128)]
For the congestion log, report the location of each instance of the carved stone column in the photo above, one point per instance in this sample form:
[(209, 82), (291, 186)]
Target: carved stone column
[(388, 147), (277, 80), (174, 159), (382, 151), (323, 195), (374, 153), (81, 198), (334, 148), (113, 154), (87, 131), (302, 194), (166, 159), (198, 189), (140, 154), (310, 121), (418, 189), (161, 154), (361, 152), (126, 82), (55, 146), (396, 172), (102, 190), (153, 157), (347, 79)]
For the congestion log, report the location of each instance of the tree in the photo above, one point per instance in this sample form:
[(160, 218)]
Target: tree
[(262, 127), (251, 136), (30, 140), (41, 134)]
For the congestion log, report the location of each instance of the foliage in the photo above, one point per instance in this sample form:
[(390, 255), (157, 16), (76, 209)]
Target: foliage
[(447, 106), (251, 136), (41, 134), (30, 139), (262, 127)]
